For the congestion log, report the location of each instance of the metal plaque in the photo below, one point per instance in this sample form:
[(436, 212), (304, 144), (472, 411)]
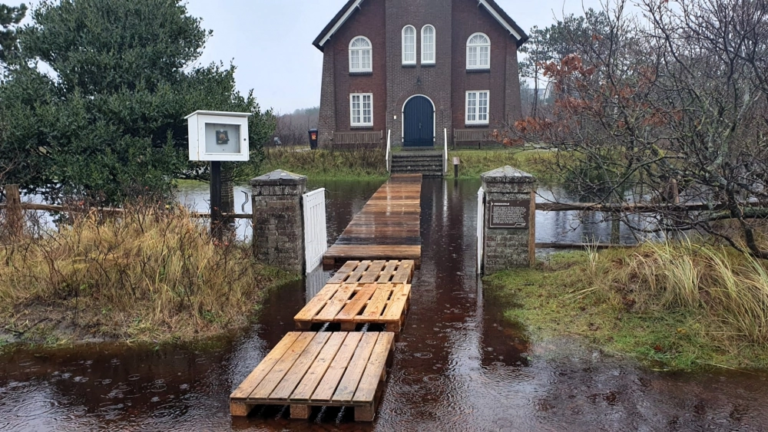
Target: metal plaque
[(509, 214)]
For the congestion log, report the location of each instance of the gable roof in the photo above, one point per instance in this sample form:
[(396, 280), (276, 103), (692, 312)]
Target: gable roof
[(353, 5)]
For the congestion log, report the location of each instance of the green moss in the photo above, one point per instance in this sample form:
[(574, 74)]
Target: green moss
[(556, 299)]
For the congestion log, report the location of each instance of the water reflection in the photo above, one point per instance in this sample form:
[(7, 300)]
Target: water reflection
[(458, 365)]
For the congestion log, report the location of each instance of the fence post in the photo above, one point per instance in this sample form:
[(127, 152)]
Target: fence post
[(14, 215), (278, 222), (510, 219)]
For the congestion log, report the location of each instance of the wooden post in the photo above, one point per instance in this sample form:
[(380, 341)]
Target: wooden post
[(216, 209), (14, 215)]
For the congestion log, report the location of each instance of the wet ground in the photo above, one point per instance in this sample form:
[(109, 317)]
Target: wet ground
[(458, 365)]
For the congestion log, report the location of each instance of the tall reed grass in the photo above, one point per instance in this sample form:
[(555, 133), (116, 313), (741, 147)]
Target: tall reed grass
[(729, 287), (150, 274)]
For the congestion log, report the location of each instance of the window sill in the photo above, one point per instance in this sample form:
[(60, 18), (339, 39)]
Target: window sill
[(486, 70), (359, 127), (362, 73), (427, 65), (476, 125), (410, 65)]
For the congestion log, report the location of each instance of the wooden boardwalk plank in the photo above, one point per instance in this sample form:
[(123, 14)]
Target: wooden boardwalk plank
[(273, 378), (343, 272), (297, 371), (373, 272), (397, 303), (374, 370), (355, 276), (340, 369), (330, 381), (388, 227), (317, 303), (266, 365), (358, 302), (386, 274), (377, 304), (335, 305), (404, 273), (312, 378), (348, 384)]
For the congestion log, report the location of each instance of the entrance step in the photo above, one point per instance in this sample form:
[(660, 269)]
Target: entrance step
[(426, 163)]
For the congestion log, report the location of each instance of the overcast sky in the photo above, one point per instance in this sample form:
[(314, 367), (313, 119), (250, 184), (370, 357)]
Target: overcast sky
[(270, 41)]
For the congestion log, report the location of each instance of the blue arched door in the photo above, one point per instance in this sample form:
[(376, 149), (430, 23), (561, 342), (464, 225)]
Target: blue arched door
[(418, 122)]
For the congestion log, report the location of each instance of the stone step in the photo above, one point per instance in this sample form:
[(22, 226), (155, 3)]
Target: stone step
[(417, 163)]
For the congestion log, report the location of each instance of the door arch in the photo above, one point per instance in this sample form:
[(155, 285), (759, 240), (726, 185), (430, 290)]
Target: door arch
[(418, 122)]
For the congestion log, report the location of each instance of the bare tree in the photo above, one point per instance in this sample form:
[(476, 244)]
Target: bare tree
[(672, 98)]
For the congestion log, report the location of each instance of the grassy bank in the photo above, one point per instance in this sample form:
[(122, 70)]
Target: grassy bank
[(370, 164), (678, 307), (476, 162), (327, 164), (151, 275)]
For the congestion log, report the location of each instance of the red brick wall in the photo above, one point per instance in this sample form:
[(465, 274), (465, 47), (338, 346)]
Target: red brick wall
[(432, 81), (445, 83), (368, 22), (469, 18)]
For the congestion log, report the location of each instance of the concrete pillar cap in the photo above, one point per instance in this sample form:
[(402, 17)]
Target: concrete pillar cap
[(279, 178), (507, 174)]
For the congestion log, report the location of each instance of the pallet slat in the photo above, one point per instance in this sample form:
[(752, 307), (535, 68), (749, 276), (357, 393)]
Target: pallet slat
[(312, 378), (297, 371), (357, 303), (327, 386), (266, 365), (350, 380), (335, 304), (372, 376), (273, 378)]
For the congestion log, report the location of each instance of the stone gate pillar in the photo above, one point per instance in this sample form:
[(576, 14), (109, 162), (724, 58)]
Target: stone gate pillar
[(278, 222), (509, 229)]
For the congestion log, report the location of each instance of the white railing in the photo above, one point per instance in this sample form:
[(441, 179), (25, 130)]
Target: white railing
[(445, 151), (315, 231), (480, 226), (389, 146)]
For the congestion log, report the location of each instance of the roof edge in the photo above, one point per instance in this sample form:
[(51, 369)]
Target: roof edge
[(505, 20), (338, 20)]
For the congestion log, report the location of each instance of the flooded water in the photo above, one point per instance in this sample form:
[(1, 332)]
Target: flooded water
[(458, 365)]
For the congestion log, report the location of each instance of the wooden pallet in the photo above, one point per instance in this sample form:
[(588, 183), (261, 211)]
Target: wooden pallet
[(387, 228), (307, 369), (354, 304), (374, 272)]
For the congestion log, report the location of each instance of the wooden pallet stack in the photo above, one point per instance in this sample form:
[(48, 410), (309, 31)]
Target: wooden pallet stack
[(342, 369)]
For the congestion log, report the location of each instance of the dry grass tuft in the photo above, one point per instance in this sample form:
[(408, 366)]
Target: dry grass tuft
[(152, 274)]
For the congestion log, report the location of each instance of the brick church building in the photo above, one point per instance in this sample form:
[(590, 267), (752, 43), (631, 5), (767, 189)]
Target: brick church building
[(419, 70)]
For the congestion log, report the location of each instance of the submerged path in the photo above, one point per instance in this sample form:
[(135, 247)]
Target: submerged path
[(387, 228)]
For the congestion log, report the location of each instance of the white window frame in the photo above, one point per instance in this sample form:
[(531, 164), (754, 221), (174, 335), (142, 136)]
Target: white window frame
[(477, 47), (361, 122), (405, 60), (476, 108), (359, 51), (424, 59)]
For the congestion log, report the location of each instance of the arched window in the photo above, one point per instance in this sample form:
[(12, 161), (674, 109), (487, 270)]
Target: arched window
[(428, 44), (360, 55), (478, 52), (409, 45)]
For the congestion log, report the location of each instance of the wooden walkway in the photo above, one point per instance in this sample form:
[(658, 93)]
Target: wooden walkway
[(362, 293), (387, 228), (309, 369)]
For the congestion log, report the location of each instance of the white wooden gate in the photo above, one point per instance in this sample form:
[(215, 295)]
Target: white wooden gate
[(315, 232), (480, 226)]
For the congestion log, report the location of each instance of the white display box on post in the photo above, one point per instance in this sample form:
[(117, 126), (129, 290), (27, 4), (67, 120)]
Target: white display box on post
[(218, 136)]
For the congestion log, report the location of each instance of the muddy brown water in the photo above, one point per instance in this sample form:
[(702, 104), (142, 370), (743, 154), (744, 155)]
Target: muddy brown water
[(458, 365)]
